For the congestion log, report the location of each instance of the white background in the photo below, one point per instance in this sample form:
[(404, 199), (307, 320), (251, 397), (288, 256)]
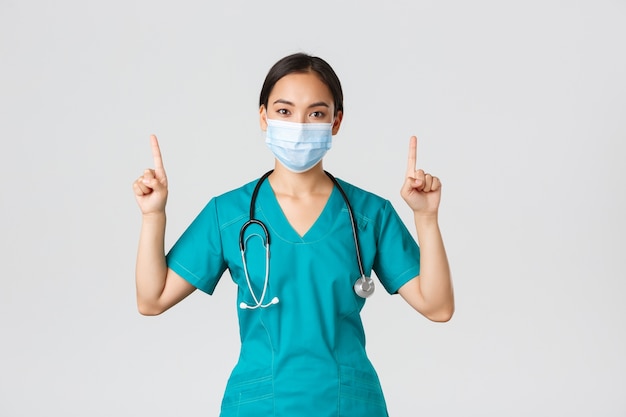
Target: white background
[(520, 109)]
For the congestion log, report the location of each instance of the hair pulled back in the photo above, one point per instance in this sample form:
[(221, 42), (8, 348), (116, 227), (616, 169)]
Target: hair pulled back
[(302, 63)]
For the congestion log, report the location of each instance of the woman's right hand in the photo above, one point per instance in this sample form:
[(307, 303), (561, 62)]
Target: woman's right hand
[(151, 188)]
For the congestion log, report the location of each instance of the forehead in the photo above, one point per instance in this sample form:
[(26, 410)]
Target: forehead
[(301, 87)]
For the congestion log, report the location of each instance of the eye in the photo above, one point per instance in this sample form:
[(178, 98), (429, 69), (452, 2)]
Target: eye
[(283, 112), (317, 114)]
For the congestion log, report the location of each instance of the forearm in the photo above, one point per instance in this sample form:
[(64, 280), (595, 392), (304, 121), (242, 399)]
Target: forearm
[(151, 268), (435, 280)]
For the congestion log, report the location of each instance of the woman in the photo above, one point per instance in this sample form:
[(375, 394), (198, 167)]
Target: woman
[(302, 340)]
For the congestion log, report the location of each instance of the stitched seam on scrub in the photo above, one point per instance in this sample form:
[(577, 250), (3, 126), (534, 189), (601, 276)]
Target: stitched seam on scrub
[(272, 350), (231, 222), (198, 279)]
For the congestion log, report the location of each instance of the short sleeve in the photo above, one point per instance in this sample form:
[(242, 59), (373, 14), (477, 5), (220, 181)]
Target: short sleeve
[(197, 255), (397, 258)]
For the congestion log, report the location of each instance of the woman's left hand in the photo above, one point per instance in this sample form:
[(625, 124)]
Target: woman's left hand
[(421, 191)]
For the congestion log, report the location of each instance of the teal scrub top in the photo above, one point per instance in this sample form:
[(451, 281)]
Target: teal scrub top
[(305, 355)]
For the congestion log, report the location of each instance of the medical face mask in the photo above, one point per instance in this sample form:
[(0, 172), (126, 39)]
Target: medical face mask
[(298, 146)]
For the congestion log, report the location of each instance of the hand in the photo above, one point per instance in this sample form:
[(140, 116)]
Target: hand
[(421, 191), (151, 188)]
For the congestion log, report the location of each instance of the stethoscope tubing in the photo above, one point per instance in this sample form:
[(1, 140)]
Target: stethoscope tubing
[(364, 287), (352, 222)]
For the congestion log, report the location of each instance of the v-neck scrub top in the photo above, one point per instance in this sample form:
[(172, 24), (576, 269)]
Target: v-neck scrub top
[(304, 356)]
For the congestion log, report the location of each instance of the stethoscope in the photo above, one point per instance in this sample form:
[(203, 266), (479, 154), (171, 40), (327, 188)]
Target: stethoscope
[(363, 287)]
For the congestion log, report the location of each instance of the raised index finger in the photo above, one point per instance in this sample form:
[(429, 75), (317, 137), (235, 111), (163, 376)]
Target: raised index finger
[(412, 161), (156, 155)]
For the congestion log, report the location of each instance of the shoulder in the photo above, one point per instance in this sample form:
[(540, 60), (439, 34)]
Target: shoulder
[(353, 191), (237, 196), (232, 205), (364, 202)]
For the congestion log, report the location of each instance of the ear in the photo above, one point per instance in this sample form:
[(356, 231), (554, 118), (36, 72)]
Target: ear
[(337, 122), (263, 118)]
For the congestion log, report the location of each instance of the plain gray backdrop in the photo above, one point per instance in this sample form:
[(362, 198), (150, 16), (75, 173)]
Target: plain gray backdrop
[(519, 108)]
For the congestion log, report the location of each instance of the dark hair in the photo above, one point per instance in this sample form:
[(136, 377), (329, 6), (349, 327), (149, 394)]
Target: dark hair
[(302, 63)]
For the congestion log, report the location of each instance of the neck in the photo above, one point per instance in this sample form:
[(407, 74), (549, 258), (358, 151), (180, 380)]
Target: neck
[(312, 181)]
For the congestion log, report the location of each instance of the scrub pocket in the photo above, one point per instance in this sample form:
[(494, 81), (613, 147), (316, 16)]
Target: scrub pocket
[(361, 394), (248, 396)]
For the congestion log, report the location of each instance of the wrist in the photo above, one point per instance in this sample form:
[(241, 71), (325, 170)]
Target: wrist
[(153, 217), (425, 219)]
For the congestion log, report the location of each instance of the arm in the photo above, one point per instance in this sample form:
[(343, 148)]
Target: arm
[(431, 292), (158, 287)]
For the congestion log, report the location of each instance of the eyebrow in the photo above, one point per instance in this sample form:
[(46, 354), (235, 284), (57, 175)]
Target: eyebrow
[(316, 104)]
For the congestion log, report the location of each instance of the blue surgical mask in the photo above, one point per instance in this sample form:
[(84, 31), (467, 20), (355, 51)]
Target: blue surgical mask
[(298, 146)]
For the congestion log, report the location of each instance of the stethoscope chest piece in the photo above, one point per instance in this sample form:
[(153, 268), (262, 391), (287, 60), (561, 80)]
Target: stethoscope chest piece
[(364, 287)]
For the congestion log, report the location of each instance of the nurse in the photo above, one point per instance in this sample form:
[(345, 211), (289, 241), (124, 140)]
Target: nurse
[(302, 340)]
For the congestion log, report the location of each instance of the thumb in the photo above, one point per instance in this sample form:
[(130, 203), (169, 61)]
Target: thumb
[(418, 180), (408, 187), (150, 180)]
